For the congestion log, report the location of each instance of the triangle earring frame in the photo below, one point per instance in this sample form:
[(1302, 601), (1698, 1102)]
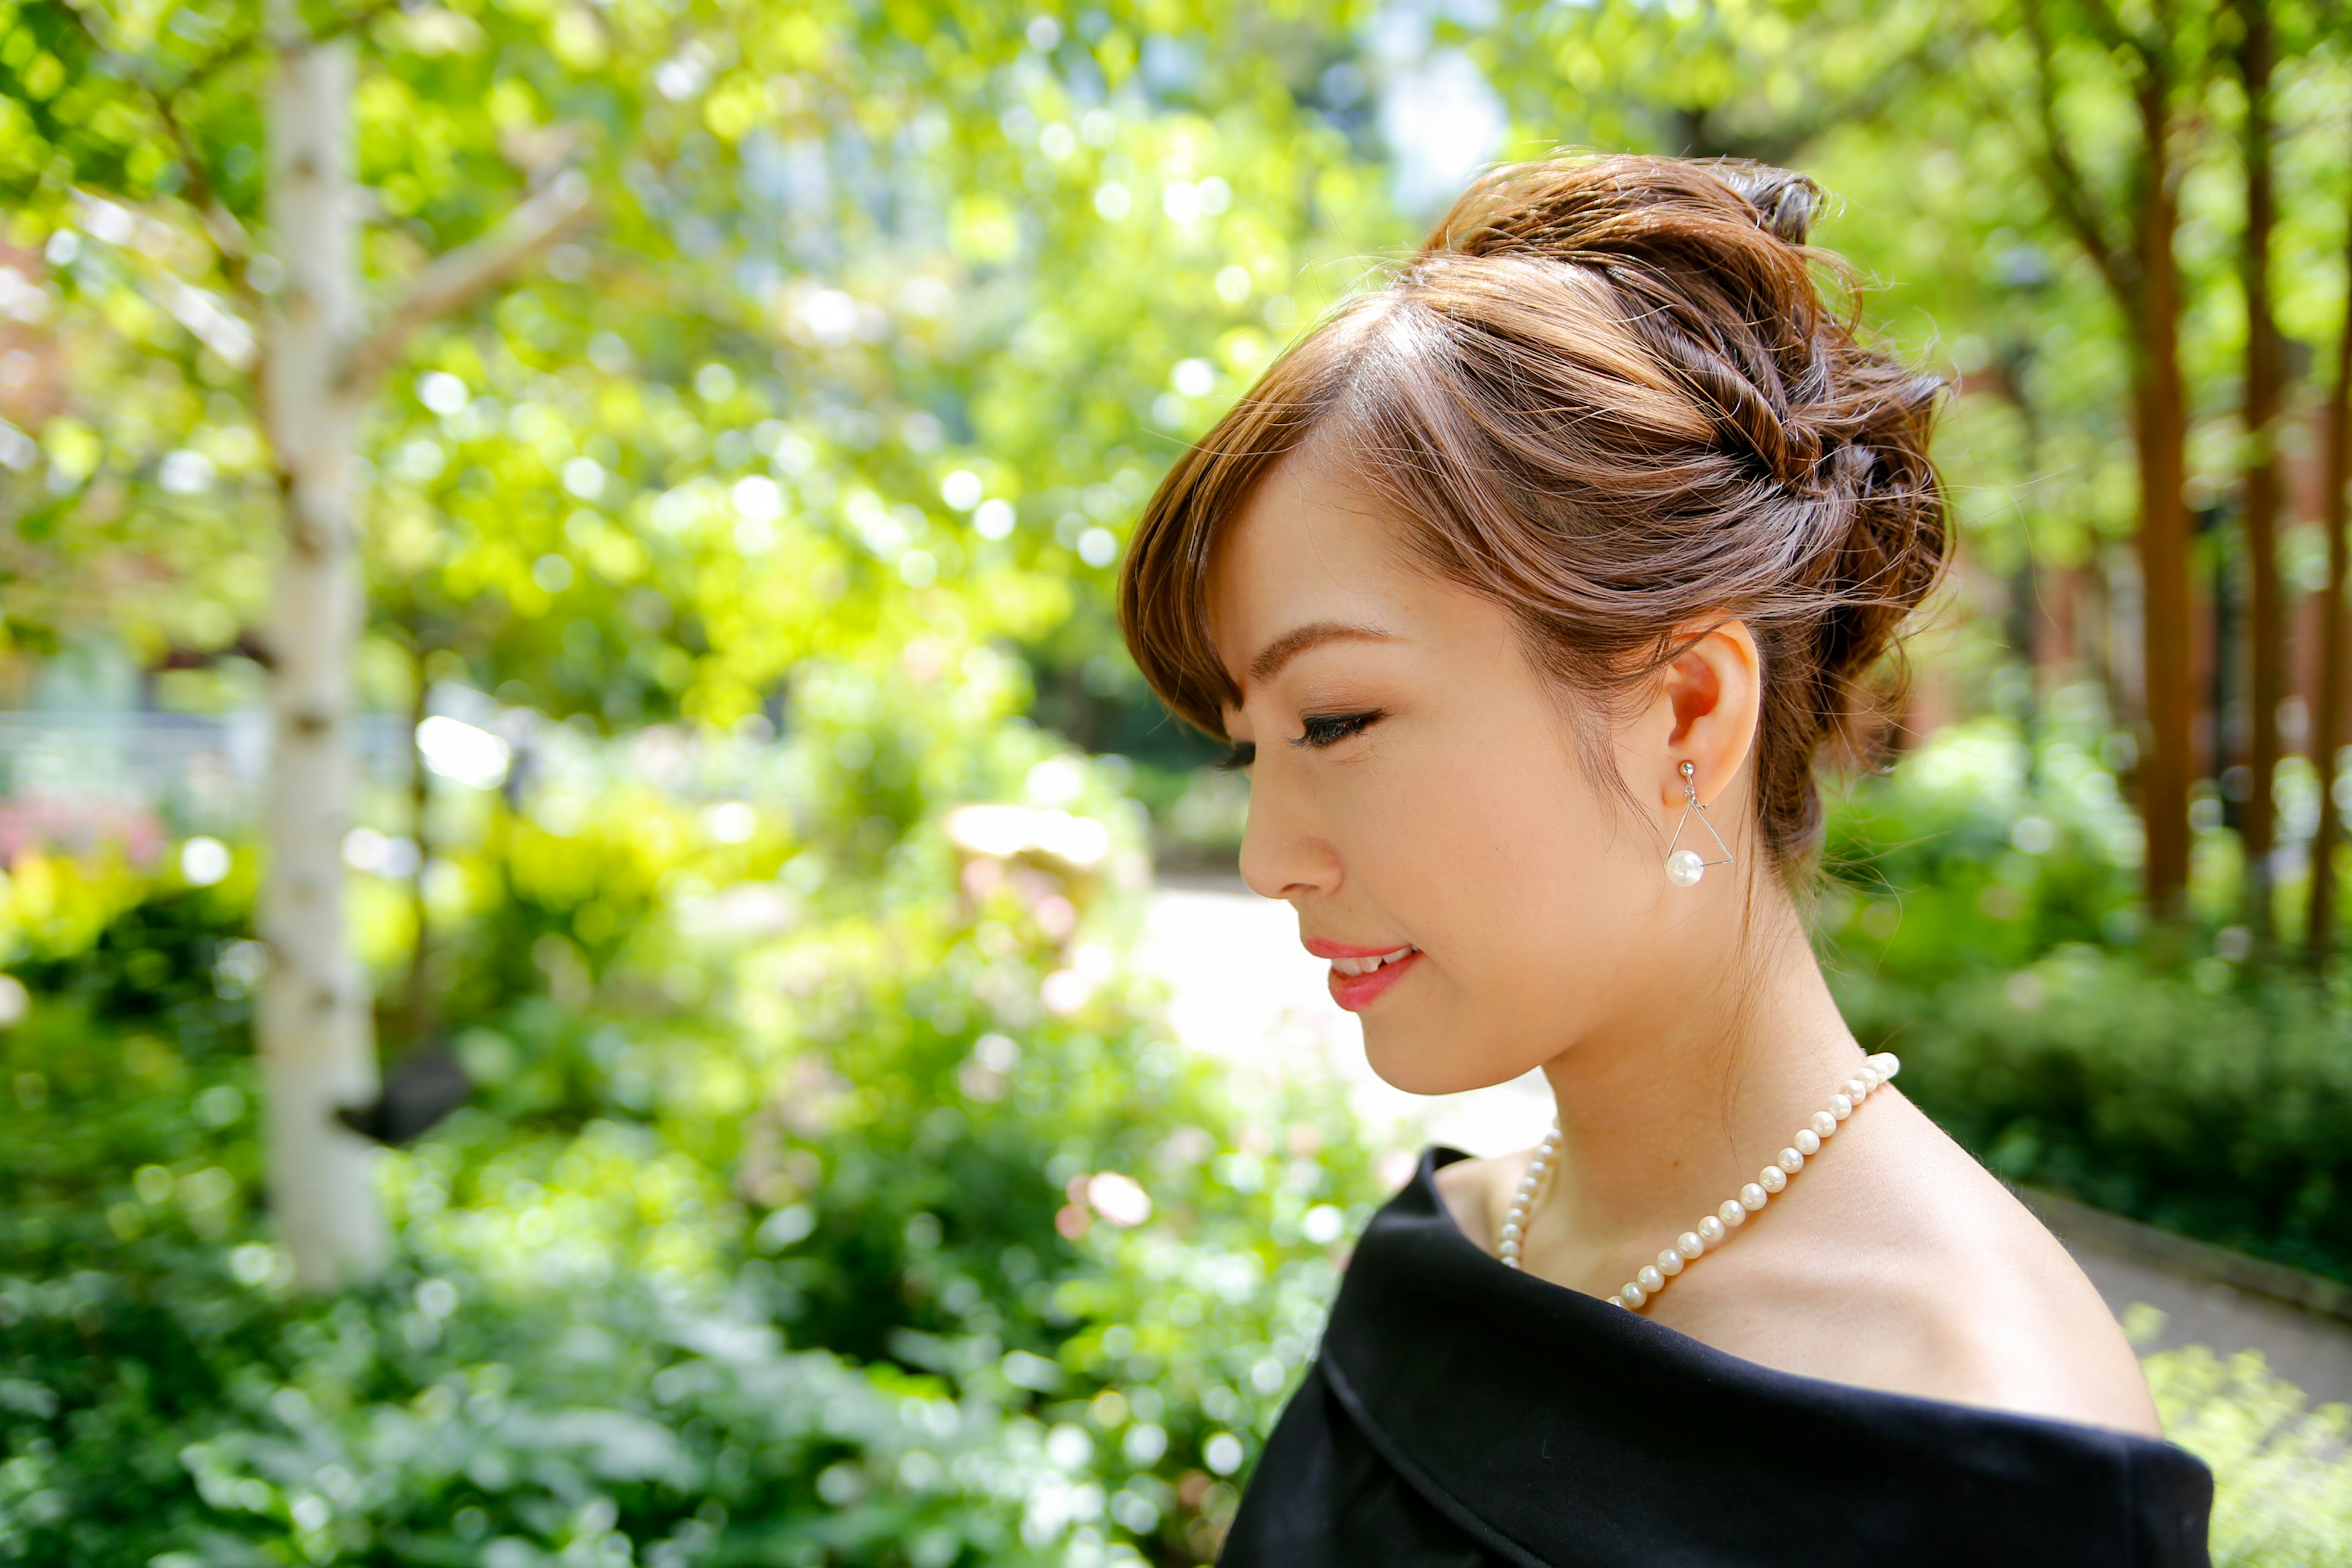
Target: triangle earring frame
[(1691, 802)]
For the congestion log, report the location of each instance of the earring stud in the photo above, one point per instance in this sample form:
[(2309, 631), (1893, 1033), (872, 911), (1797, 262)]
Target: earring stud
[(1685, 866)]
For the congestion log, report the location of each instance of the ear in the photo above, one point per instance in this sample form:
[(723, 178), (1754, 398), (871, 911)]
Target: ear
[(1714, 694)]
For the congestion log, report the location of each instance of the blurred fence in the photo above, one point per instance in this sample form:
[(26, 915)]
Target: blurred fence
[(76, 778)]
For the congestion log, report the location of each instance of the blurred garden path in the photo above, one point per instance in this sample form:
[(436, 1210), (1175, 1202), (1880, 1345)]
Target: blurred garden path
[(1246, 993), (2201, 1306)]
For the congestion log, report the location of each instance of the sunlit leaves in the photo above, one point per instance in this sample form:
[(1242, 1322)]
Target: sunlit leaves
[(835, 255)]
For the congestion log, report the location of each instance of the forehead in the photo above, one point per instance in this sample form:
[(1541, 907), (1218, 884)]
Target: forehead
[(1311, 547)]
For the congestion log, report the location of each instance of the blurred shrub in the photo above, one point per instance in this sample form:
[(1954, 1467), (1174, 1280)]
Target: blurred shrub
[(427, 1420), (1981, 919), (2283, 1473), (2222, 1114), (829, 1193), (1979, 852)]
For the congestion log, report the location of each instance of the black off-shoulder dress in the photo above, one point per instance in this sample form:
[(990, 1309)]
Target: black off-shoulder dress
[(1464, 1416)]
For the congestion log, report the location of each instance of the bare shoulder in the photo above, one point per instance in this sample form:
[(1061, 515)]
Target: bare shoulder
[(1901, 1264), (1477, 1193)]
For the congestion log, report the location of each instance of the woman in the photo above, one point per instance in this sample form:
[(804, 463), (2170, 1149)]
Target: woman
[(1529, 590)]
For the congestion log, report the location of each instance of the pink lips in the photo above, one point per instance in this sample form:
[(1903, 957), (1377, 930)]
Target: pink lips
[(1358, 991)]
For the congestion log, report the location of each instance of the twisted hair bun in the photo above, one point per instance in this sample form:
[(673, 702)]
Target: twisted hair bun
[(1611, 394)]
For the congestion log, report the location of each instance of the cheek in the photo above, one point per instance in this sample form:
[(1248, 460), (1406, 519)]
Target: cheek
[(1515, 875), (1527, 904)]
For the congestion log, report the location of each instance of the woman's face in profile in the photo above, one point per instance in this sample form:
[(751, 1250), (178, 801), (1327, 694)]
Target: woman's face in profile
[(1417, 791)]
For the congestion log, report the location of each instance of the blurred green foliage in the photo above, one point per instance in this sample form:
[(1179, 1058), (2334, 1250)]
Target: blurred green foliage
[(796, 1218), (1981, 919), (786, 1222), (780, 1228), (2284, 1496), (886, 317)]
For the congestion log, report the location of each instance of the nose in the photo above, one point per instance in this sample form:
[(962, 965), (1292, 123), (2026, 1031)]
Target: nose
[(1282, 855)]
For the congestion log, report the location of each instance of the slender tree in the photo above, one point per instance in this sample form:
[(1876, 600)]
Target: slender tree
[(320, 360), (2265, 378), (324, 363), (313, 1023), (2131, 238), (2328, 722)]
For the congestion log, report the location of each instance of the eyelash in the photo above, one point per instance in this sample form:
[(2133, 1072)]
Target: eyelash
[(1321, 729), (1330, 728)]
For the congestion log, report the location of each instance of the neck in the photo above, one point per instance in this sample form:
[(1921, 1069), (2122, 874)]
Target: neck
[(1667, 1110)]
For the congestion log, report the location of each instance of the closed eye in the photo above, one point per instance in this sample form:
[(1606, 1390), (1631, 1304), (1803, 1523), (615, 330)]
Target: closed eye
[(1243, 753), (1330, 728)]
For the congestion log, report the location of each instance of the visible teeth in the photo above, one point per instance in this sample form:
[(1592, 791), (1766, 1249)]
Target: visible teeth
[(1366, 965)]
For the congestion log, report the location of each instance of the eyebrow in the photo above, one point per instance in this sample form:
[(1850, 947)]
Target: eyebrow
[(1291, 644)]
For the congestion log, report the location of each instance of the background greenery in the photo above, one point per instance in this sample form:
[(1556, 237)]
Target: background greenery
[(766, 524)]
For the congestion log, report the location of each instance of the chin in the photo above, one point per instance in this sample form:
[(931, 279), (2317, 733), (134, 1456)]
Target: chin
[(1428, 1062)]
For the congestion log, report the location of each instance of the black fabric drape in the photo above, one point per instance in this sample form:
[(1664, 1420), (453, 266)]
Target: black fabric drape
[(1463, 1413)]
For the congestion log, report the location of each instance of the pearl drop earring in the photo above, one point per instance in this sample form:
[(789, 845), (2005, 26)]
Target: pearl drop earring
[(1683, 867)]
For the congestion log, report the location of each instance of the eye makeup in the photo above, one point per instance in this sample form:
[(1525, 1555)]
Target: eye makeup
[(1320, 729), (1330, 728)]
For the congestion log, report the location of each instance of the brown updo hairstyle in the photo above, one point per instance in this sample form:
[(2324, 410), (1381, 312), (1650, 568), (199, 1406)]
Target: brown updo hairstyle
[(1610, 395)]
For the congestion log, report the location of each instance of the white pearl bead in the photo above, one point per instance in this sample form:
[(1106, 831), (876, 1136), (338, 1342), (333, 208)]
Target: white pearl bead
[(1716, 1228), (1684, 869), (1888, 1063)]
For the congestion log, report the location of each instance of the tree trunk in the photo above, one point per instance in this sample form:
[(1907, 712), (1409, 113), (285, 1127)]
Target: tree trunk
[(2265, 390), (2328, 722), (2161, 417), (316, 1033)]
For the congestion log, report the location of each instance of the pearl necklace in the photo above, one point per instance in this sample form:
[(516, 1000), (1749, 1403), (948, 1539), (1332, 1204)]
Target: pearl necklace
[(1716, 1228)]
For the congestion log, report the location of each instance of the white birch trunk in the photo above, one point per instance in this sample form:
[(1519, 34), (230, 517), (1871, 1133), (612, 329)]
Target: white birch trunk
[(315, 1022)]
